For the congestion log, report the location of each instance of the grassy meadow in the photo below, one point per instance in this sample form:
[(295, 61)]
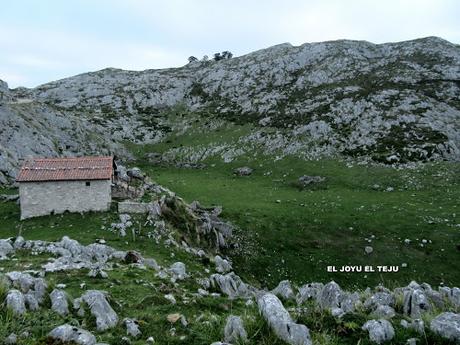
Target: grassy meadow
[(282, 232), (288, 233)]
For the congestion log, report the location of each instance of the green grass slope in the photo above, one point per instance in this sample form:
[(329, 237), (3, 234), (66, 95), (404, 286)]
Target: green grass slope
[(287, 233)]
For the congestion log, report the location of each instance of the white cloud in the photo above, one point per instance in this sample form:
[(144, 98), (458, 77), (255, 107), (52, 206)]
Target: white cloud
[(14, 79), (64, 54)]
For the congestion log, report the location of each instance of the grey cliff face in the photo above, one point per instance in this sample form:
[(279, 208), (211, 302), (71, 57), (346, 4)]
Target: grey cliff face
[(393, 102)]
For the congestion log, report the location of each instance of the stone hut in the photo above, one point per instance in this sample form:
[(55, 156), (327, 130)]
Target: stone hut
[(56, 185)]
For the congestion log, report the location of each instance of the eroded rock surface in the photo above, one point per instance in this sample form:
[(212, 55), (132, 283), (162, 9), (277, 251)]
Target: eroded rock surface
[(68, 334), (280, 321)]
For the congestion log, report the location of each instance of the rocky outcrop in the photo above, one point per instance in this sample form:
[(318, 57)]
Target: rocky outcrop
[(27, 292), (105, 316), (35, 129), (447, 325), (5, 94), (132, 327), (178, 271), (222, 265), (415, 300), (59, 302), (380, 331), (280, 321), (5, 249), (70, 334), (309, 291), (234, 331), (393, 102), (284, 290), (15, 302), (231, 285)]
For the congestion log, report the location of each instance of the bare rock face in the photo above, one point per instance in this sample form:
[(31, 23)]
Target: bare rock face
[(309, 291), (33, 129), (379, 330), (67, 333), (452, 294), (232, 285), (132, 327), (330, 296), (5, 95), (5, 249), (284, 290), (222, 265), (378, 299), (381, 115), (447, 325), (178, 271), (234, 331), (59, 302), (383, 312), (15, 301), (416, 301), (105, 316), (280, 321)]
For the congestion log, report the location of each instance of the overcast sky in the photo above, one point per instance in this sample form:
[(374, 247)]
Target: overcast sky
[(45, 40)]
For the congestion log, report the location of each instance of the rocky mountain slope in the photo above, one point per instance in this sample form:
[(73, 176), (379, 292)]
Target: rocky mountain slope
[(393, 102)]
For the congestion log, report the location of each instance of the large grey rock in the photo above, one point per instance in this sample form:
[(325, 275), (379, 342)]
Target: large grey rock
[(306, 180), (19, 242), (231, 285), (330, 296), (59, 302), (178, 271), (28, 284), (284, 290), (452, 294), (415, 301), (105, 316), (243, 171), (5, 249), (4, 92), (31, 301), (447, 325), (132, 327), (349, 301), (280, 321), (383, 312), (309, 291), (222, 265), (135, 173), (15, 301), (378, 299), (234, 330), (67, 333), (380, 331)]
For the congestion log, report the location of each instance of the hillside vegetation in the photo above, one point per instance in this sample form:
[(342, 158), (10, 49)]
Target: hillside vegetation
[(373, 129)]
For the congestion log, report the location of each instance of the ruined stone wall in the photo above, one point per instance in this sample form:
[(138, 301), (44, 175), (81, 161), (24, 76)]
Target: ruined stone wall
[(42, 198)]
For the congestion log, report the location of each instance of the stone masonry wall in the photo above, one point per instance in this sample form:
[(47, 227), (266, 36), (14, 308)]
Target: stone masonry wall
[(133, 207), (42, 198)]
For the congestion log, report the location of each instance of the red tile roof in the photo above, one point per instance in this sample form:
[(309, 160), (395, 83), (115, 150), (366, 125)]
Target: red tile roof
[(64, 169)]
